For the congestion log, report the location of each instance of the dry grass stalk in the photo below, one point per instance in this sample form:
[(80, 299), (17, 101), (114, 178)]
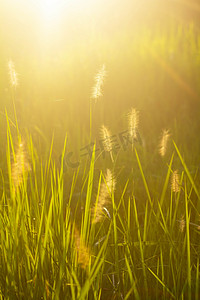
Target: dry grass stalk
[(104, 195), (175, 182), (182, 224), (163, 142), (82, 250), (13, 74), (19, 166), (133, 120), (107, 141), (99, 80)]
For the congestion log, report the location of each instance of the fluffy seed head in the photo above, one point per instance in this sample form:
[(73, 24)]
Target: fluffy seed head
[(19, 166), (133, 120), (82, 250), (104, 195), (99, 80), (106, 139), (110, 180), (164, 142), (182, 224), (175, 182), (13, 74)]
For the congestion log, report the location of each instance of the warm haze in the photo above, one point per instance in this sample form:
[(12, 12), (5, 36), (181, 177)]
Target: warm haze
[(99, 149)]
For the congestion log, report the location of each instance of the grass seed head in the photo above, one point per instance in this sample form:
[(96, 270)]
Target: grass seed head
[(133, 120), (99, 80), (107, 141), (13, 74), (19, 166), (106, 137), (164, 142), (182, 224), (104, 195), (175, 182), (82, 250), (110, 180)]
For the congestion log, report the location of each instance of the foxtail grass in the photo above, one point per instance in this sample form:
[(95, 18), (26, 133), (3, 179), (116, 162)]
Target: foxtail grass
[(20, 165), (107, 141), (14, 83), (182, 224), (106, 190), (138, 254), (13, 74), (164, 142), (175, 182), (99, 80), (82, 250), (97, 91), (133, 122)]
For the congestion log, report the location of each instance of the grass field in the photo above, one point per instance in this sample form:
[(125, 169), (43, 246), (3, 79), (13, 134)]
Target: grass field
[(99, 152)]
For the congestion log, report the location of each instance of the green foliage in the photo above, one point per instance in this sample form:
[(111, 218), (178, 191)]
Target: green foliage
[(133, 253), (146, 245)]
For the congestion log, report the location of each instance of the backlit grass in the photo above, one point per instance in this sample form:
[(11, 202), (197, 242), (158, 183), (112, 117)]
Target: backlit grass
[(99, 191)]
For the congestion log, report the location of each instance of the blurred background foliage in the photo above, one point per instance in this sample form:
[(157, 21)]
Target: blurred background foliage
[(151, 50)]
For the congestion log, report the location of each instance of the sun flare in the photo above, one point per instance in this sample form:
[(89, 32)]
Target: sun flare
[(51, 9), (99, 149)]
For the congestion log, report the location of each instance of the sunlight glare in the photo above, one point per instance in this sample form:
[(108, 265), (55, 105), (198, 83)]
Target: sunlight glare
[(50, 9)]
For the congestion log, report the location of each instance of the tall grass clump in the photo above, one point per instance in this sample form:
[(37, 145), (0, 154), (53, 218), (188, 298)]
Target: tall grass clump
[(142, 250), (80, 234)]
